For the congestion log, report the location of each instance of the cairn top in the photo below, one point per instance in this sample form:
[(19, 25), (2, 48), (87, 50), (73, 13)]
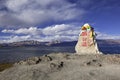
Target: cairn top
[(86, 24), (87, 27)]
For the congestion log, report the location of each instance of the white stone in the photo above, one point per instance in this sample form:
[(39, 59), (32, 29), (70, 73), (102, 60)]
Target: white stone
[(87, 41)]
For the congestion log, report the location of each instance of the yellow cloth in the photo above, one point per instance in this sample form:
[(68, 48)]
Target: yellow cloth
[(84, 28), (91, 34)]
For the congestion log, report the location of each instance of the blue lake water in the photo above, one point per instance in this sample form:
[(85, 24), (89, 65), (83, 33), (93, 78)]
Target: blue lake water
[(13, 54)]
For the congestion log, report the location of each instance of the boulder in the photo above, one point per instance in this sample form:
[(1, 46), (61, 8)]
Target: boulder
[(87, 41)]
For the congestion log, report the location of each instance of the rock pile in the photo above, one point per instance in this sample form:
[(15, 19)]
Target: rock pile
[(60, 66), (35, 60)]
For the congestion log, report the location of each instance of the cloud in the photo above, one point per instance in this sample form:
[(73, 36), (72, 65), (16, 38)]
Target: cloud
[(8, 39), (35, 12), (62, 29), (30, 30), (101, 35), (25, 13), (19, 38), (62, 32)]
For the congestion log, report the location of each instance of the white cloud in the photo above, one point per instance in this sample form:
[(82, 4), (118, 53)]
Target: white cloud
[(101, 35), (31, 30), (15, 5), (8, 39), (34, 12), (19, 38), (7, 31), (63, 32), (62, 29)]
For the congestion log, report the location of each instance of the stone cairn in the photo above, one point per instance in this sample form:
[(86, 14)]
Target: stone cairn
[(87, 41)]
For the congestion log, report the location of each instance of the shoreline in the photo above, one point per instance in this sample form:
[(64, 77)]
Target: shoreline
[(4, 66), (7, 65)]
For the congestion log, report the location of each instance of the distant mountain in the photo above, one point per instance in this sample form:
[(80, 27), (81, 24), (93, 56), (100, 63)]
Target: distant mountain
[(24, 43), (99, 41), (108, 42), (56, 43), (72, 43)]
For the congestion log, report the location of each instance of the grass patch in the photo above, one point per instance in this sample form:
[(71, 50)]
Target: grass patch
[(4, 66)]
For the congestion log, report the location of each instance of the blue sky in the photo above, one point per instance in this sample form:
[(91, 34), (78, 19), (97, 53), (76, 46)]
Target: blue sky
[(47, 20)]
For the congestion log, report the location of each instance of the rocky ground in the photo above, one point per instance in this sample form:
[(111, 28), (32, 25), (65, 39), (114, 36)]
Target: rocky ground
[(65, 66)]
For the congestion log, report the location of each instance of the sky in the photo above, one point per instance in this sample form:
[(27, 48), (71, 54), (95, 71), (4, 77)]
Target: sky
[(49, 20)]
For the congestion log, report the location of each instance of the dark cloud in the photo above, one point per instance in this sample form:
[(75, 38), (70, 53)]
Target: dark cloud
[(36, 12), (95, 4), (39, 12)]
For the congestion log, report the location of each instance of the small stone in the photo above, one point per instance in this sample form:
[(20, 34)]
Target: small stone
[(56, 66), (38, 61), (60, 65), (94, 60), (52, 65), (88, 63), (46, 58), (100, 65)]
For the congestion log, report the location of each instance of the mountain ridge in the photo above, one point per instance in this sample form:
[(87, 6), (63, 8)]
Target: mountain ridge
[(56, 43)]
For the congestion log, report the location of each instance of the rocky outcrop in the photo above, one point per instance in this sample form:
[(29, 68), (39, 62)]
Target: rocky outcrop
[(59, 66), (35, 60)]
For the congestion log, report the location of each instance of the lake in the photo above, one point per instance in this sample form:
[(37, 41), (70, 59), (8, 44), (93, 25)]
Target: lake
[(14, 54)]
